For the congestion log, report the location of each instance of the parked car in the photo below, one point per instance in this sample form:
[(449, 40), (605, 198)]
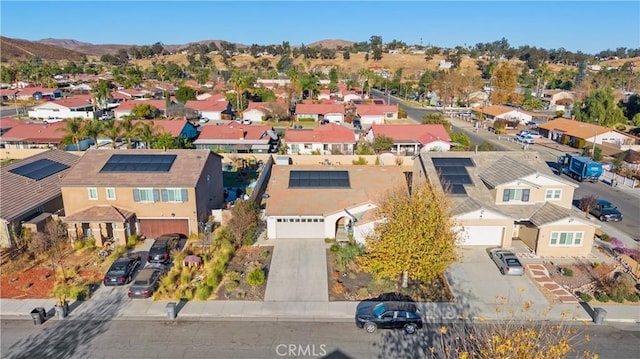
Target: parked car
[(52, 120), (146, 282), (605, 211), (506, 261), (243, 121), (105, 116), (203, 120), (372, 315), (160, 251), (526, 139), (122, 270)]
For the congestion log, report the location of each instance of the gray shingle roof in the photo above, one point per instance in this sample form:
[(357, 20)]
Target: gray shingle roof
[(504, 170), (19, 194), (185, 171), (549, 213)]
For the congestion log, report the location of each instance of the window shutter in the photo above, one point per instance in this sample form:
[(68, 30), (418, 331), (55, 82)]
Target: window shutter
[(185, 195), (156, 195), (505, 196), (136, 195), (165, 195), (525, 195)]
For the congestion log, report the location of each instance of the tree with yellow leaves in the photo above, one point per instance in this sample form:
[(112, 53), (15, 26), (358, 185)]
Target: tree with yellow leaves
[(504, 84), (415, 240)]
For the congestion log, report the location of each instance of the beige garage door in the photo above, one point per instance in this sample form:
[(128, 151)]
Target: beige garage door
[(153, 228)]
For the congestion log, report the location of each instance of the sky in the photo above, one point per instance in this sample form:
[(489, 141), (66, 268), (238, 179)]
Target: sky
[(587, 26)]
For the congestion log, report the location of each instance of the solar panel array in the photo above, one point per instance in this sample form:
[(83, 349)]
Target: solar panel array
[(453, 173), (319, 179), (39, 169), (139, 163)]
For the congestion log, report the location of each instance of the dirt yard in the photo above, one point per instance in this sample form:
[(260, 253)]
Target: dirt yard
[(235, 284)]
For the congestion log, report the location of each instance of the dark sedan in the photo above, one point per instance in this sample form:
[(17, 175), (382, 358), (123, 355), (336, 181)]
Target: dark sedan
[(605, 211), (122, 270), (372, 315), (146, 282), (160, 251)]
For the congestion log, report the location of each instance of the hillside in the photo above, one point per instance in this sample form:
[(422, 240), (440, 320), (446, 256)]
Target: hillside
[(15, 49), (84, 47)]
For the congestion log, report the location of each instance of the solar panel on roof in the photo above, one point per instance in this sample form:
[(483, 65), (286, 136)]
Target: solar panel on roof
[(139, 163), (458, 189), (445, 161), (319, 179), (39, 169), (453, 174)]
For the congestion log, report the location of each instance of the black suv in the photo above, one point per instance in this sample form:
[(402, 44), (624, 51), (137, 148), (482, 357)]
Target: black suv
[(372, 315), (122, 270), (160, 251), (605, 211)]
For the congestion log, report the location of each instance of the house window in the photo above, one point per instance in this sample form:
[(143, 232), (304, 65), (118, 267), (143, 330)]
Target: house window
[(515, 194), (552, 194), (93, 194), (295, 148), (307, 146), (388, 115), (111, 193), (174, 195), (566, 238), (148, 195)]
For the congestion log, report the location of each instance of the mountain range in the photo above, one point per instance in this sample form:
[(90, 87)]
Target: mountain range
[(69, 49)]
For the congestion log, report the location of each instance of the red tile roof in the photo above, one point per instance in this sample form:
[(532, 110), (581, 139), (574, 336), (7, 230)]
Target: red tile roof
[(322, 109), (233, 131), (423, 134), (106, 213), (35, 132), (207, 105), (9, 122), (29, 91), (173, 126), (494, 110), (329, 133), (368, 110)]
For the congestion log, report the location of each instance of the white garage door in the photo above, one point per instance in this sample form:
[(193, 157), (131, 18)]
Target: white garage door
[(480, 236), (334, 118), (299, 228)]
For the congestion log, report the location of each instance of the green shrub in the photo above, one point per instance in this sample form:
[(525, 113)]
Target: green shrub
[(605, 237), (334, 248), (306, 119), (316, 152), (617, 297), (132, 241), (568, 272), (229, 286), (602, 297), (234, 276), (595, 265), (248, 238), (255, 277), (632, 297), (585, 297), (363, 292), (264, 254), (185, 276), (203, 291), (361, 161), (71, 291)]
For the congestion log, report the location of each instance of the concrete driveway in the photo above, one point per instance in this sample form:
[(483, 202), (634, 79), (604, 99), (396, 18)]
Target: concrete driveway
[(479, 287), (298, 271)]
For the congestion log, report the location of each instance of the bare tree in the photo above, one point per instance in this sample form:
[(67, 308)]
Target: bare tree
[(587, 203)]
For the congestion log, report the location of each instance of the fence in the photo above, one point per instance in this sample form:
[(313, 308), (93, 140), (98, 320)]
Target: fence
[(612, 178)]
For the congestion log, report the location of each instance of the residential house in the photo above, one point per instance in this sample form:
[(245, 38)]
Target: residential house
[(39, 93), (320, 112), (137, 93), (112, 194), (235, 137), (497, 198), (9, 95), (328, 139), (411, 139), (178, 128), (124, 108), (324, 94), (581, 134), (350, 96), (77, 106), (495, 112), (558, 100), (208, 96), (30, 192), (327, 202), (376, 114), (34, 135), (212, 108), (256, 111)]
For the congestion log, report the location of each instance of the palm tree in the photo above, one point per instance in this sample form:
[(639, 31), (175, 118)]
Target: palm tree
[(128, 129), (112, 130), (93, 130), (72, 131), (148, 132)]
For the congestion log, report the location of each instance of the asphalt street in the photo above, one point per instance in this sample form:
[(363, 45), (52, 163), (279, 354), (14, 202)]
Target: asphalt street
[(214, 339)]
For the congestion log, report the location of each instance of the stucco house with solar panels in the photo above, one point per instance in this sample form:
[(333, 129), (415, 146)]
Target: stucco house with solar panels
[(498, 197), (30, 192), (112, 194), (305, 202)]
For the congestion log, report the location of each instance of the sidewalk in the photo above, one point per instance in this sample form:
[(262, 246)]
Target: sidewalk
[(311, 311)]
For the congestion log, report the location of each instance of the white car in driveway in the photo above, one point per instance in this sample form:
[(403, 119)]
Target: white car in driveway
[(52, 120), (530, 139), (507, 262)]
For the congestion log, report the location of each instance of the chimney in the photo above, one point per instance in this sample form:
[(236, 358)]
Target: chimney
[(241, 133)]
